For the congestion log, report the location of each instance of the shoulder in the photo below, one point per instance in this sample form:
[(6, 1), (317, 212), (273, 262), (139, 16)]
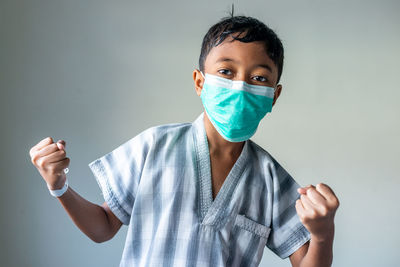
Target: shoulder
[(266, 162), (157, 133), (261, 155), (170, 128), (160, 134)]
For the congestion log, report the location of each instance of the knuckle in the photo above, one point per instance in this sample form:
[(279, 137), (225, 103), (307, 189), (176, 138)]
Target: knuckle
[(324, 211), (311, 190), (336, 203), (40, 163), (51, 168), (321, 186), (313, 214), (34, 158)]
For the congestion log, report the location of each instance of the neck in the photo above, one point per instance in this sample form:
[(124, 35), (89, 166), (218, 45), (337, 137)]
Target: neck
[(218, 146)]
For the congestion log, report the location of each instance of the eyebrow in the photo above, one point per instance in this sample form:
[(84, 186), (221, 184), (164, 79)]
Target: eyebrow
[(225, 59)]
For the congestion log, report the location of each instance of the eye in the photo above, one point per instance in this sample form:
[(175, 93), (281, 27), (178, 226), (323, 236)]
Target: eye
[(225, 71), (260, 79)]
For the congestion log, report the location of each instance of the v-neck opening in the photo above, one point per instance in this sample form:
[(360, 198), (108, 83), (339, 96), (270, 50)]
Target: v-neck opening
[(211, 209), (225, 178)]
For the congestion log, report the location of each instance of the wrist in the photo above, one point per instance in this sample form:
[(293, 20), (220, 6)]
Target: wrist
[(58, 191), (327, 237), (58, 184)]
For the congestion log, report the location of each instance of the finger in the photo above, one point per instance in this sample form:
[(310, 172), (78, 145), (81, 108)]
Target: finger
[(61, 144), (300, 210), (47, 150), (54, 157), (299, 207), (303, 190), (315, 196), (308, 205), (326, 192), (61, 141), (36, 157), (41, 144)]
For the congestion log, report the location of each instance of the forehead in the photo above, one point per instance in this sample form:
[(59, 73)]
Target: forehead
[(247, 54)]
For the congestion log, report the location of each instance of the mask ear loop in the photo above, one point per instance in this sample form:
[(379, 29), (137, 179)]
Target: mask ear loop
[(202, 74)]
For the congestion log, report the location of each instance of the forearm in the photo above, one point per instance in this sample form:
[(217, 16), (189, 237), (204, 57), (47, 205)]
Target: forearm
[(319, 253), (90, 218), (316, 209)]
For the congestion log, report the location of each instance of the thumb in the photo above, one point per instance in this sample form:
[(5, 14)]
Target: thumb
[(303, 190), (61, 144)]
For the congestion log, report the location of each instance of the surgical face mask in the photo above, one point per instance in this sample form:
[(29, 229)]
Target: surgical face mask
[(235, 108)]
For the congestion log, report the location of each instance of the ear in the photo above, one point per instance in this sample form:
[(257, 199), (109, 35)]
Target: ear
[(277, 93), (198, 81)]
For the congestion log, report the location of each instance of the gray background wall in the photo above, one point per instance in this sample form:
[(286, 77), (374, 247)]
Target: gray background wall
[(96, 73)]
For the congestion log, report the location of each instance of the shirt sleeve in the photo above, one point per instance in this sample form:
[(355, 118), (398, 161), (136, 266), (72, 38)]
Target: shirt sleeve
[(287, 234), (118, 174)]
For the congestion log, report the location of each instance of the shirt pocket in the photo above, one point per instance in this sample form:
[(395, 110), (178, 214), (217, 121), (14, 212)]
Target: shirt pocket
[(247, 243), (251, 226)]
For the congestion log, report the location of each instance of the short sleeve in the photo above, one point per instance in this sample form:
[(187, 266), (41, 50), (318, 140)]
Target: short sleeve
[(118, 174), (287, 234)]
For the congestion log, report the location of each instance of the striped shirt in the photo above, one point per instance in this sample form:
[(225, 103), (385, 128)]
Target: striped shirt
[(159, 184)]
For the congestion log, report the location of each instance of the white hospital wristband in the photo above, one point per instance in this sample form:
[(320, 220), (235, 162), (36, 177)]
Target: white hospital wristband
[(59, 192)]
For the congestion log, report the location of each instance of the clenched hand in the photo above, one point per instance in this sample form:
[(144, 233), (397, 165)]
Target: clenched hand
[(50, 160), (316, 209)]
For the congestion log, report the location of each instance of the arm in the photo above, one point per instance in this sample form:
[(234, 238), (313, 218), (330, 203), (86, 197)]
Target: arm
[(313, 254), (316, 209), (97, 222)]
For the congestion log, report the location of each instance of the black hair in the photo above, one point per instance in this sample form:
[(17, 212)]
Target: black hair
[(254, 30)]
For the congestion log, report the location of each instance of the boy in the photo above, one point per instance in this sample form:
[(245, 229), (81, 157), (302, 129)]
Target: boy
[(203, 193)]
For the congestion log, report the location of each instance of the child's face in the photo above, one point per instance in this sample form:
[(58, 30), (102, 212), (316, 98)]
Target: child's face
[(236, 60)]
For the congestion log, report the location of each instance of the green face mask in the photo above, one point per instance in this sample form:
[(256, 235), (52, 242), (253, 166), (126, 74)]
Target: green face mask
[(235, 108)]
